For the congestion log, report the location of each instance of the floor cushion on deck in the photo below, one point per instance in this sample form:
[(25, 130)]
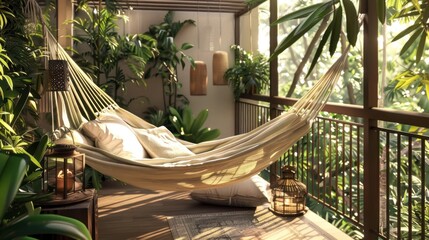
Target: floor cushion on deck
[(249, 193)]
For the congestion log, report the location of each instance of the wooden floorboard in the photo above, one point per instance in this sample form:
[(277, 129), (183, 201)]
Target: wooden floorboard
[(125, 212)]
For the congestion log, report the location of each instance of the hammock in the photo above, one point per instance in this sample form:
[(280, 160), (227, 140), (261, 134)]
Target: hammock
[(215, 163)]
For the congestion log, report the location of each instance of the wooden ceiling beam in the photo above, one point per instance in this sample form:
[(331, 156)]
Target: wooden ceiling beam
[(229, 6)]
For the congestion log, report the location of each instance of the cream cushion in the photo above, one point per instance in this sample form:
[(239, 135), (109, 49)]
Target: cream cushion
[(112, 134), (249, 193), (74, 137), (159, 142)]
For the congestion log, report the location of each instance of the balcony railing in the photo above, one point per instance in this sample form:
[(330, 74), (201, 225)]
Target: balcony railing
[(330, 161)]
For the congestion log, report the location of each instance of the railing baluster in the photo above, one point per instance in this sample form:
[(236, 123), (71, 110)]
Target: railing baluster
[(358, 175), (343, 156), (330, 163), (337, 163), (351, 170), (410, 190), (313, 145), (423, 193), (324, 161), (307, 156), (398, 185), (387, 184)]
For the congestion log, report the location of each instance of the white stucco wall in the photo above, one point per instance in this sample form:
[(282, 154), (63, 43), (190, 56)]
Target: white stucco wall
[(213, 32)]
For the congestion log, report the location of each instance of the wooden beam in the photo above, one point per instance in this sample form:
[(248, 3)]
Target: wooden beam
[(64, 14), (229, 6), (371, 139), (274, 77)]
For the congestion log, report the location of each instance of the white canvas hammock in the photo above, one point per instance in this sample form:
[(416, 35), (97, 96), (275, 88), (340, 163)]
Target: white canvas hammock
[(215, 163)]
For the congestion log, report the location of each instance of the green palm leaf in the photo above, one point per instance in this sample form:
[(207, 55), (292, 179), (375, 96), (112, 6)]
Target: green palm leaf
[(351, 21)]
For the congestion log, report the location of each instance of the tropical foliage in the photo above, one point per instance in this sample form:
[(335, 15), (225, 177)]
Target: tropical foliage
[(110, 56), (330, 12), (410, 77), (169, 58), (19, 77), (250, 73), (18, 217), (20, 155), (191, 129)]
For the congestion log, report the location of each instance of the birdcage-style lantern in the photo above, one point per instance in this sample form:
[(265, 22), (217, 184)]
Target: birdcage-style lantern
[(63, 172), (288, 194)]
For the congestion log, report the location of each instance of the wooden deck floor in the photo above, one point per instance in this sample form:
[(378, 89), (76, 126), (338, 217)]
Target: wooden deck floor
[(125, 212)]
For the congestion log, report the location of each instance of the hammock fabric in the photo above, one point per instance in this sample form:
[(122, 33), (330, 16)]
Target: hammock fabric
[(215, 163)]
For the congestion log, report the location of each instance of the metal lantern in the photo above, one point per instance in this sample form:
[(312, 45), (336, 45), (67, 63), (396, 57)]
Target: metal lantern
[(63, 172), (58, 75), (288, 195)]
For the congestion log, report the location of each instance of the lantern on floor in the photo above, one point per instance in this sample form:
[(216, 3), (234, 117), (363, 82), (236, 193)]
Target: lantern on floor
[(198, 76), (63, 172), (288, 195)]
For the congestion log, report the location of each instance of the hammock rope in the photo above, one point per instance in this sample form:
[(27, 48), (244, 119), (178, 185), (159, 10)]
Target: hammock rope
[(215, 163)]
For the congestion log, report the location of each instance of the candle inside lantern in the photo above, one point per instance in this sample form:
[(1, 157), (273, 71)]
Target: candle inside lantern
[(69, 178)]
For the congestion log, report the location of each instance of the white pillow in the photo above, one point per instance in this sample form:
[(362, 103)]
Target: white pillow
[(74, 137), (112, 134), (160, 142), (249, 193)]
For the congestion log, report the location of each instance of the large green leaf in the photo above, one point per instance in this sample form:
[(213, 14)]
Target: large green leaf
[(336, 30), (319, 50), (10, 179), (303, 12), (46, 224), (209, 134), (315, 17), (6, 126), (187, 119), (406, 31), (421, 47), (352, 21), (381, 10), (200, 120), (20, 105), (411, 40)]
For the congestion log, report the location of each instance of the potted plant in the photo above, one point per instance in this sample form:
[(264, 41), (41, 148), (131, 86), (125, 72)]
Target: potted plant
[(250, 73)]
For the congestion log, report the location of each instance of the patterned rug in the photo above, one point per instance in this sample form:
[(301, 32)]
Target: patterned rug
[(216, 226)]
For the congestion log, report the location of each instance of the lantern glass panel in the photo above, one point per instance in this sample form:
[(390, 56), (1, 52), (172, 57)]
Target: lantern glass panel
[(63, 174)]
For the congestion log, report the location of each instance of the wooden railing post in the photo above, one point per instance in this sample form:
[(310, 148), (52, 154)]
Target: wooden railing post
[(371, 142), (274, 77)]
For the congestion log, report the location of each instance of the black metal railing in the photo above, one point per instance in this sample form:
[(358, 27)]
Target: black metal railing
[(329, 160), (404, 194)]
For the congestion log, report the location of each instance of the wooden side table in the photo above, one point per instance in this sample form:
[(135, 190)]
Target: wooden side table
[(85, 211)]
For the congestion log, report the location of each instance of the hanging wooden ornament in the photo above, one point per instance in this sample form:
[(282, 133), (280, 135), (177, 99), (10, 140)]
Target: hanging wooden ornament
[(198, 76), (220, 65)]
